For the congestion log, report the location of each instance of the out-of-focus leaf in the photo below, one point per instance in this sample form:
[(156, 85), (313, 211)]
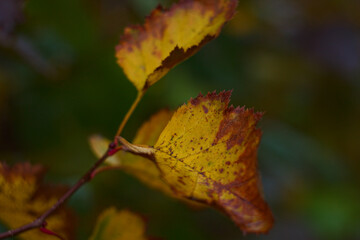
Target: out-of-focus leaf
[(208, 153), (23, 198), (119, 225), (145, 170), (146, 53)]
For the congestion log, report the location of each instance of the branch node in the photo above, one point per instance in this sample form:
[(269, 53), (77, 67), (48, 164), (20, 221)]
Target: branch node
[(43, 229)]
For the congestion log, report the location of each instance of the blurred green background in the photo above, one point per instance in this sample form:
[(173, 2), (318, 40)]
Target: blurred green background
[(297, 60)]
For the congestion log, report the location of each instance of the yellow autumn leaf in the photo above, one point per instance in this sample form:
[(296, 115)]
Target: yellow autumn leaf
[(143, 169), (208, 153), (23, 199), (119, 225), (146, 53)]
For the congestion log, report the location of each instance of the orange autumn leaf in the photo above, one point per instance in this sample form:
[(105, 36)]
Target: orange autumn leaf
[(119, 225), (23, 198), (143, 169), (208, 153), (146, 53)]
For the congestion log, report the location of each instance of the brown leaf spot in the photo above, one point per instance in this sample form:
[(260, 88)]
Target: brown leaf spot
[(238, 122), (195, 101), (181, 181), (223, 96), (206, 110), (156, 53)]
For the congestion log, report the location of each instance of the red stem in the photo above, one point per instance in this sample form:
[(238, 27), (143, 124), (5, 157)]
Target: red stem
[(39, 222), (49, 232)]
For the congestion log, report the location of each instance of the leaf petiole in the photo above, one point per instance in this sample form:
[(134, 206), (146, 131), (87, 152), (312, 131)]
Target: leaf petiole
[(128, 114)]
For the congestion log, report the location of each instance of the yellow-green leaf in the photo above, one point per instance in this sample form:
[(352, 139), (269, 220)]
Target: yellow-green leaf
[(146, 53), (23, 198), (208, 153), (119, 225)]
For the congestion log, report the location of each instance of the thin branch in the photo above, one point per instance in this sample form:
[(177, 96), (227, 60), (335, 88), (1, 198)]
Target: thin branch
[(128, 114), (112, 149), (39, 222)]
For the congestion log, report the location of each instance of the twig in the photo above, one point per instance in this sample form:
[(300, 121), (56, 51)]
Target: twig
[(39, 222)]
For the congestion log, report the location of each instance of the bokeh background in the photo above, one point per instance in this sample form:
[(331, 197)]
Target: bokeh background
[(297, 60)]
